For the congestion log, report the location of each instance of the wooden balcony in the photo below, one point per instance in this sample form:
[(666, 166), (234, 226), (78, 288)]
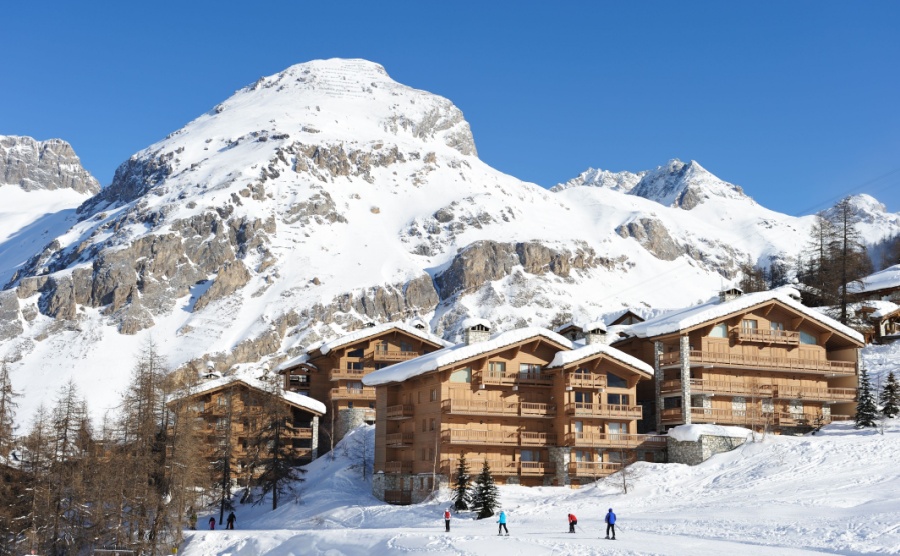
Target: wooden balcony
[(807, 419), (532, 468), (511, 378), (301, 433), (815, 394), (588, 409), (501, 468), (398, 439), (760, 336), (585, 380), (392, 356), (398, 497), (592, 468), (537, 438), (615, 440), (497, 408), (719, 388), (352, 393), (346, 374), (794, 365), (214, 409), (465, 436), (719, 416), (399, 412), (398, 467)]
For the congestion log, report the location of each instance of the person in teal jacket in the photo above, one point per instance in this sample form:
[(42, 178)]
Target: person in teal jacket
[(502, 522)]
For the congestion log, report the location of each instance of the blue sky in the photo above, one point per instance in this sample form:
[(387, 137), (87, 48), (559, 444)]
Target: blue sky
[(795, 101)]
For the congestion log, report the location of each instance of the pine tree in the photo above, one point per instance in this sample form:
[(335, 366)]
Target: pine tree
[(890, 397), (485, 496), (865, 406), (462, 498)]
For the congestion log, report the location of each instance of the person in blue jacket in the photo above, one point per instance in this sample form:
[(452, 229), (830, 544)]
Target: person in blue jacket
[(610, 524), (502, 522)]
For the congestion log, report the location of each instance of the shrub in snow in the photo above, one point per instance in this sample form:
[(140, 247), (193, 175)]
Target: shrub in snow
[(485, 495), (865, 406), (890, 397)]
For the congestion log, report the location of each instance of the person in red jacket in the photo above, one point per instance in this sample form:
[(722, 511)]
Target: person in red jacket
[(573, 521), (447, 519)]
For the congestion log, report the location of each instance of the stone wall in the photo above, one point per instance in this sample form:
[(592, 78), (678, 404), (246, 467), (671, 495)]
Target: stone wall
[(560, 457), (419, 486), (694, 452)]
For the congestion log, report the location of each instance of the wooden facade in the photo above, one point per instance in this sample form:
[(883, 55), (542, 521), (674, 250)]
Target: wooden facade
[(534, 423), (767, 364)]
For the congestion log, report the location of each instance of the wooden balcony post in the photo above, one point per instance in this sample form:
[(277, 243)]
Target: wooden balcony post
[(685, 380), (657, 379)]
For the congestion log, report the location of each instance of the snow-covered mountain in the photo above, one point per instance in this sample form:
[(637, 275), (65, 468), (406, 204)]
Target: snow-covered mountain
[(329, 195)]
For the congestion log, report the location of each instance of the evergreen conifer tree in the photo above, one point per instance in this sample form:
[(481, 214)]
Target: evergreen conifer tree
[(462, 498), (486, 496), (865, 406), (890, 397)]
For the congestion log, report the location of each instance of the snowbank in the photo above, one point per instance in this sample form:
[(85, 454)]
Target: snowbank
[(692, 433)]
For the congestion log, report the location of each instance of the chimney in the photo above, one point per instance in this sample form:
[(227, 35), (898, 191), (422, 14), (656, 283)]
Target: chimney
[(476, 330), (729, 294), (595, 333)]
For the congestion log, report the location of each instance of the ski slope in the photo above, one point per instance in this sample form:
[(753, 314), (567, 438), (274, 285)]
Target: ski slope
[(837, 492)]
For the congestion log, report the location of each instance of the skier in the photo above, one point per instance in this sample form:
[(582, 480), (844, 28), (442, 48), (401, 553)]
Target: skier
[(229, 524), (447, 520), (502, 522), (610, 520), (573, 521), (212, 523)]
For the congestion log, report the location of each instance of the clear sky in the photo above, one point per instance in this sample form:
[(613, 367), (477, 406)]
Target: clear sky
[(795, 101)]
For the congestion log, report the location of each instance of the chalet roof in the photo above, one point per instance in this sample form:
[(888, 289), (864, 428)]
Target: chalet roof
[(881, 309), (564, 327), (887, 279), (564, 358), (472, 322), (302, 359), (376, 330), (690, 317), (596, 325), (433, 361), (292, 398)]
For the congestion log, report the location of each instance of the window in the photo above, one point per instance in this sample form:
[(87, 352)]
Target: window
[(617, 399), (433, 395), (615, 381), (350, 405), (529, 455), (768, 406), (739, 403), (381, 347), (582, 397), (220, 400), (583, 455), (354, 365), (496, 368), (371, 405), (617, 428), (749, 324), (578, 426), (461, 375), (356, 353), (807, 338), (431, 454), (405, 346), (671, 403), (719, 331), (529, 370), (431, 424), (380, 366), (776, 325), (419, 397), (300, 379)]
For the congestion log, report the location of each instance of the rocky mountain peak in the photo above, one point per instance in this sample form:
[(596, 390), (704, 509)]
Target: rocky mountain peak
[(43, 165), (684, 185), (617, 181)]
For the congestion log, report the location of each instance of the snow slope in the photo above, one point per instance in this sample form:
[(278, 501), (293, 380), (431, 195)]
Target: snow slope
[(834, 493)]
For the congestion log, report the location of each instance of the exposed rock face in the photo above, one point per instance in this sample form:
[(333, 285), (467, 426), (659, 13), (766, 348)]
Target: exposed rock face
[(653, 236), (50, 164), (133, 178), (10, 323)]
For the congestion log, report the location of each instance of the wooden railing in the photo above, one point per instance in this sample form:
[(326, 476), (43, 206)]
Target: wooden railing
[(614, 440), (720, 416), (537, 438), (726, 388), (758, 361), (585, 380), (815, 394), (465, 436), (604, 410), (346, 374), (399, 439), (390, 355), (593, 468), (353, 393), (787, 337), (398, 467), (512, 378), (398, 412), (501, 468), (499, 408)]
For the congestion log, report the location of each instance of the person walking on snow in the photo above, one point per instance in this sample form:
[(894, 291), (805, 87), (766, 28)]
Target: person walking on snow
[(573, 521), (229, 523), (212, 523), (610, 524), (502, 522), (447, 520)]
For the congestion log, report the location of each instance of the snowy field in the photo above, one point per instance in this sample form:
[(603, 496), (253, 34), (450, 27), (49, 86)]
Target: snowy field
[(837, 492)]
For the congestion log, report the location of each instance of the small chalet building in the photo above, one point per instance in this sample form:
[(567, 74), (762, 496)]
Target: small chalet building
[(883, 285), (332, 372), (230, 412), (879, 310), (540, 409), (754, 360)]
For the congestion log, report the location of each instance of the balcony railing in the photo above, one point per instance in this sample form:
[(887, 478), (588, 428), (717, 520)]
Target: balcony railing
[(464, 436), (398, 467), (494, 378), (537, 438), (399, 412), (720, 416), (726, 388), (498, 408), (353, 393), (393, 356), (815, 394), (604, 410), (399, 439), (761, 362), (592, 468), (786, 337), (614, 440), (585, 380), (501, 468), (806, 419), (346, 374)]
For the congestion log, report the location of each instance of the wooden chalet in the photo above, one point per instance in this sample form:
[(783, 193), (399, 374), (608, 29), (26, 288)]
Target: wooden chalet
[(756, 360), (538, 408), (332, 372)]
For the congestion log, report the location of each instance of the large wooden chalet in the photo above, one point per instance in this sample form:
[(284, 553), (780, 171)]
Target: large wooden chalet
[(538, 408)]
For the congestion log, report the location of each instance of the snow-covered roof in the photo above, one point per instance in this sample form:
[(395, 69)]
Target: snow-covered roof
[(472, 322), (370, 331), (293, 398), (460, 352), (302, 359), (888, 278), (714, 309), (692, 433), (559, 329), (596, 325), (564, 358)]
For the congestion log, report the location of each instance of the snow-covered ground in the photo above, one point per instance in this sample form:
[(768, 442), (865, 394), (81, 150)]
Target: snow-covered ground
[(837, 492)]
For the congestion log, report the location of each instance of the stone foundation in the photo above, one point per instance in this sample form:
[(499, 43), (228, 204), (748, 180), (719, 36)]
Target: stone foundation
[(695, 452), (412, 488)]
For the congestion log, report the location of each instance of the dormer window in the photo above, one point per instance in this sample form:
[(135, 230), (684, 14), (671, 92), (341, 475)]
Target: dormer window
[(749, 324), (356, 353), (719, 331), (807, 338)]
